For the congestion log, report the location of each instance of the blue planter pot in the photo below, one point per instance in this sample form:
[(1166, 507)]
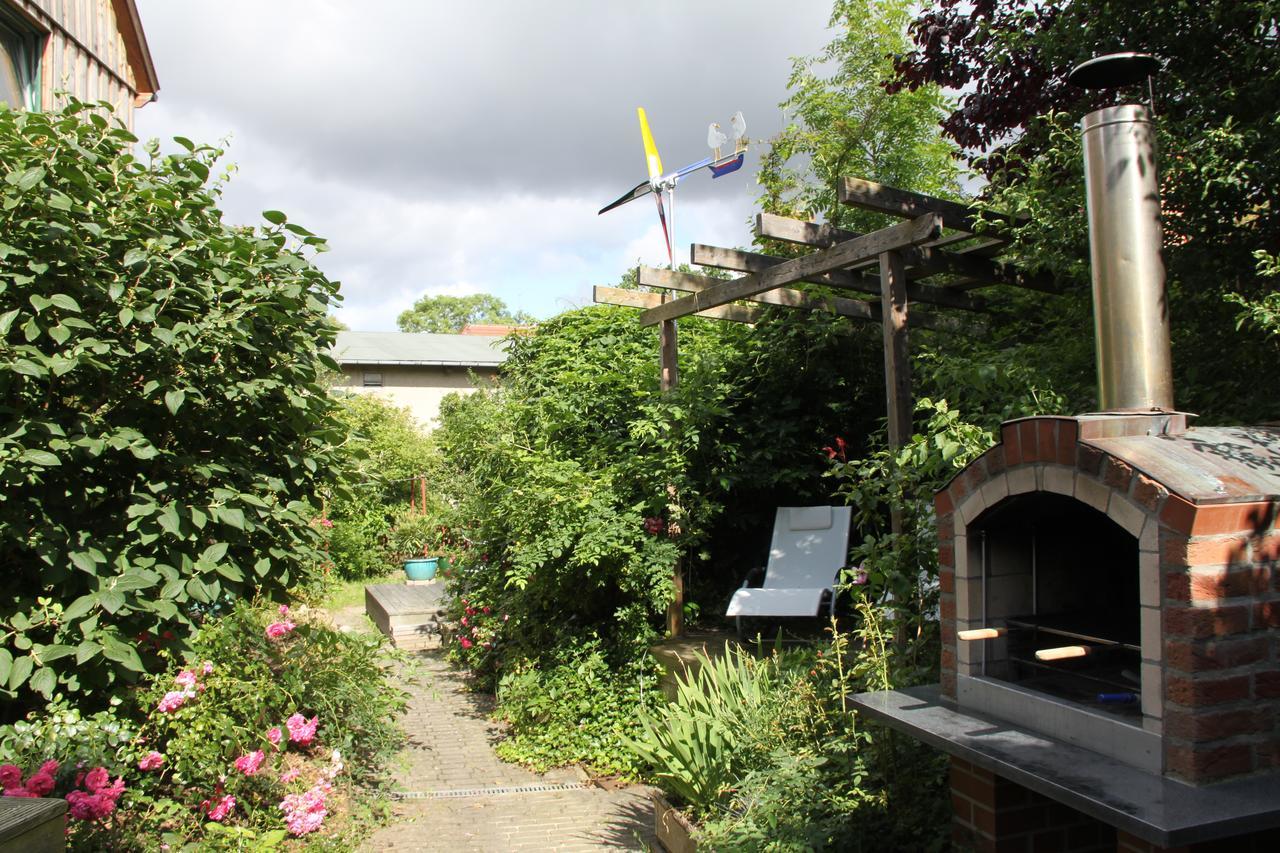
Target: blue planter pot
[(422, 568)]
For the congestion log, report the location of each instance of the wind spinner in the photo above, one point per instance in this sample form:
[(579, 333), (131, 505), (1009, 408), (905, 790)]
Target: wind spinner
[(659, 183)]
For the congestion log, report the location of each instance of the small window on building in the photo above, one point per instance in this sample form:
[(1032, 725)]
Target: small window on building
[(372, 379), (19, 86)]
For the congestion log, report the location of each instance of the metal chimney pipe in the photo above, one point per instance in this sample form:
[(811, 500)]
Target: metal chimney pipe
[(1130, 312)]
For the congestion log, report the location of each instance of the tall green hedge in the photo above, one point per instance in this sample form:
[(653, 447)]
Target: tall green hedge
[(162, 421)]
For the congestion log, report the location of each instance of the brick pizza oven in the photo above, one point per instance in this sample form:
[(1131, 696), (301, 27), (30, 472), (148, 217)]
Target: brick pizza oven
[(1110, 590)]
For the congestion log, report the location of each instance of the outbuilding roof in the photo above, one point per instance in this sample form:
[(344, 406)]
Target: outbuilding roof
[(419, 348)]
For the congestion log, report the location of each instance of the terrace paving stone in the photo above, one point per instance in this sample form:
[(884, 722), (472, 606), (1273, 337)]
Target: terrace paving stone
[(450, 751)]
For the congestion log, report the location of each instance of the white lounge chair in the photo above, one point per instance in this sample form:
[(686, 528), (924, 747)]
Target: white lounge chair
[(809, 548)]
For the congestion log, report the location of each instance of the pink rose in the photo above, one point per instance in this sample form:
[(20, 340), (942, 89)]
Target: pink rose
[(301, 730), (21, 793), (10, 776), (41, 784), (223, 808), (466, 644), (96, 779), (151, 761), (185, 679), (249, 764), (207, 669), (276, 630), (172, 701), (275, 735), (289, 775), (284, 610), (50, 767)]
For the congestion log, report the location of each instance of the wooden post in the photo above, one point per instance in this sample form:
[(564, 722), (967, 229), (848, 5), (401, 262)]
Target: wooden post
[(670, 379), (423, 481), (897, 364)]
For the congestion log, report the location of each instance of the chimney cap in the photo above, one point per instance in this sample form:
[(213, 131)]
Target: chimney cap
[(1113, 70)]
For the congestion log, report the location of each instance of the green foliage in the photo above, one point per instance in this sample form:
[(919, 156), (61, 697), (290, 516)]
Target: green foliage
[(580, 709), (256, 683), (766, 754), (383, 449), (845, 124), (449, 314), (163, 425)]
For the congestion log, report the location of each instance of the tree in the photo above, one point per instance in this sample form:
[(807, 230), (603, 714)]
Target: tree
[(447, 314), (163, 425), (846, 124), (1218, 143)]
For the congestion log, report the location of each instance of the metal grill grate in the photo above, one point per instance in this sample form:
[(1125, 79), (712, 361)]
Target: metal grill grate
[(487, 792)]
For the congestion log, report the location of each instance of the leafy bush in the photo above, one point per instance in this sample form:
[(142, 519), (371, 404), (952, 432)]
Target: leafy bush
[(578, 710), (383, 449), (276, 725), (163, 419), (768, 756)]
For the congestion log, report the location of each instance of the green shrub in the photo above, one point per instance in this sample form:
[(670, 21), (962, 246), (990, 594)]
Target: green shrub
[(163, 426), (383, 450), (579, 710)]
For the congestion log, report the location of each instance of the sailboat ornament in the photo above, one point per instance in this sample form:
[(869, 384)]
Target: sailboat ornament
[(660, 183)]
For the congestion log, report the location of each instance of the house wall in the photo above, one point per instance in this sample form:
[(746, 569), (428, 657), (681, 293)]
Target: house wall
[(85, 53), (419, 388)]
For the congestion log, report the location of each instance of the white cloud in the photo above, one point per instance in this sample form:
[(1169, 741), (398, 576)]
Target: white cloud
[(441, 146)]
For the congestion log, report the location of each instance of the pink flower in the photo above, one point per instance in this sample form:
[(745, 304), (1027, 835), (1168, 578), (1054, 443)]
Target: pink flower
[(284, 610), (276, 630), (41, 784), (95, 804), (10, 776), (249, 764), (289, 775), (186, 679), (207, 669), (464, 620), (151, 761), (223, 808), (173, 700), (96, 779), (324, 522), (50, 767), (21, 793), (305, 812), (275, 735), (466, 644), (301, 730)]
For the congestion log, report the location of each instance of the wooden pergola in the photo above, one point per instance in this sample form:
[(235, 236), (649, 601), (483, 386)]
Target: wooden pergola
[(912, 261)]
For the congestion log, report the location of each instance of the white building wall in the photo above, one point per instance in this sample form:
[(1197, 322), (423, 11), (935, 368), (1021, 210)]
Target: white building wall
[(419, 388)]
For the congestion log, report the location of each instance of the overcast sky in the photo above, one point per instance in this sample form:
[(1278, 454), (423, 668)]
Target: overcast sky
[(458, 148)]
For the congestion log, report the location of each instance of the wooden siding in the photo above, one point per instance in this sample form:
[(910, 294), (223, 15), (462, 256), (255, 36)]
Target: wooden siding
[(85, 53)]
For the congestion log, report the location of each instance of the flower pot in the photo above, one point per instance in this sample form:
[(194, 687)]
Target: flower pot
[(673, 829), (421, 568)]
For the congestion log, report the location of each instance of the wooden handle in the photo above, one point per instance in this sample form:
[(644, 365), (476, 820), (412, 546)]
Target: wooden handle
[(1062, 653), (980, 634)]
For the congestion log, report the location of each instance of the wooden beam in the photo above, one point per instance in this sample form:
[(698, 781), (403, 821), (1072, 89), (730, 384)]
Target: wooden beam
[(786, 297), (839, 256), (740, 261), (869, 195), (897, 363), (977, 271), (669, 379), (971, 263), (639, 299)]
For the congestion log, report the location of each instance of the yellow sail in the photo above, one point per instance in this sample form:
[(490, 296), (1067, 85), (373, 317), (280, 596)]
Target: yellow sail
[(650, 150)]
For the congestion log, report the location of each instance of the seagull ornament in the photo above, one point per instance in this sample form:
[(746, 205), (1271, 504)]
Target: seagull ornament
[(660, 183)]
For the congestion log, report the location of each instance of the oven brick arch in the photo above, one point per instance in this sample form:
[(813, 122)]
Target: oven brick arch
[(1209, 580)]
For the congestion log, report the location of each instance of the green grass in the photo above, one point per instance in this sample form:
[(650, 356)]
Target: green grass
[(351, 593)]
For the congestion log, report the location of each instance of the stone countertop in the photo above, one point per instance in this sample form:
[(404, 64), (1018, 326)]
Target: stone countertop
[(1160, 810)]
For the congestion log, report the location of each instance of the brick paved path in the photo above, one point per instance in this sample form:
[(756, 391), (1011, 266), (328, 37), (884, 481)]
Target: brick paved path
[(451, 750)]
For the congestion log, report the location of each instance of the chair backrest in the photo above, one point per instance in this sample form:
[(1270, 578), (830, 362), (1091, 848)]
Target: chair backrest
[(810, 544)]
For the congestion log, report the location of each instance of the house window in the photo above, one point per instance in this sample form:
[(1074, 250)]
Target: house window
[(372, 379), (19, 83)]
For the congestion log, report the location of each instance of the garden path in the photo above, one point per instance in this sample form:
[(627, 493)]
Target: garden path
[(460, 791)]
